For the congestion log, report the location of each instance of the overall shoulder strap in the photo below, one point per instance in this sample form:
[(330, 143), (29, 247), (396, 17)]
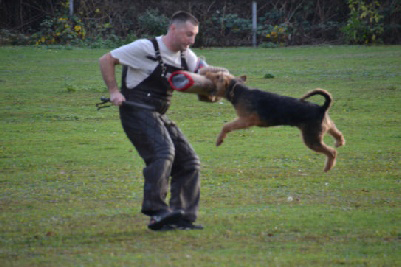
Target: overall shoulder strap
[(158, 56), (124, 78), (157, 50), (184, 65)]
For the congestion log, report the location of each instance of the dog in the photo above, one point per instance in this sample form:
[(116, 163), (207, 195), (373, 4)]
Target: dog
[(255, 107)]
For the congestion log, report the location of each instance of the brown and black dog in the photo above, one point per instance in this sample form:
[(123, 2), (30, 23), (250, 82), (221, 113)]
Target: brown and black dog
[(259, 108)]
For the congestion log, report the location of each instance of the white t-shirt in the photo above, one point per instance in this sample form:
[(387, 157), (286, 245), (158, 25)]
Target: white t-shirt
[(134, 55)]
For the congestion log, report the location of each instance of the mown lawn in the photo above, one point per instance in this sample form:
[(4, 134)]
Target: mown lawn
[(71, 183)]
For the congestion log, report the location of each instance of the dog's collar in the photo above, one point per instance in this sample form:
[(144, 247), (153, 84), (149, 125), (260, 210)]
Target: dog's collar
[(231, 89)]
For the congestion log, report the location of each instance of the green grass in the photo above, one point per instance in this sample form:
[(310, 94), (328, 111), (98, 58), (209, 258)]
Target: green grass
[(71, 183)]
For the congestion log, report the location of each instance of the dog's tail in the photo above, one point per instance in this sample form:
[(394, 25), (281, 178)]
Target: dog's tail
[(324, 93)]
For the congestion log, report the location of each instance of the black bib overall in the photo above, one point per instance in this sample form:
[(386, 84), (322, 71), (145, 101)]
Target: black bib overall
[(161, 144)]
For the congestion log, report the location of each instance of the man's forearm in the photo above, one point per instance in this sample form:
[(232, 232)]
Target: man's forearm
[(107, 68)]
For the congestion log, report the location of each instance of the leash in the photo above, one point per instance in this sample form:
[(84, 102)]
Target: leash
[(106, 104)]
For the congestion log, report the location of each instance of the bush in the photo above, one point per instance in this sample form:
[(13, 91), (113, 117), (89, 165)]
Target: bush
[(10, 38), (94, 32), (60, 29), (152, 23), (224, 23), (274, 30), (365, 24), (268, 45)]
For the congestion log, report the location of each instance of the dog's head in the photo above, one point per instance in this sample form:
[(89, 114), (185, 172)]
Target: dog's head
[(222, 81)]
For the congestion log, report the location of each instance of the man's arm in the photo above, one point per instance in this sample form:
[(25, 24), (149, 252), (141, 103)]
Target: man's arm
[(107, 68)]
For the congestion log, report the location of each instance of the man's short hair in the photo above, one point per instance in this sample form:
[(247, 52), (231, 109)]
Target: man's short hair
[(182, 17)]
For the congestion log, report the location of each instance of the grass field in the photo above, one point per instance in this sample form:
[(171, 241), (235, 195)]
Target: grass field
[(71, 183)]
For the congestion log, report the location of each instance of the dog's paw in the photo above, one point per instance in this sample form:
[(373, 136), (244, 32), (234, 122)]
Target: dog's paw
[(340, 142), (219, 142)]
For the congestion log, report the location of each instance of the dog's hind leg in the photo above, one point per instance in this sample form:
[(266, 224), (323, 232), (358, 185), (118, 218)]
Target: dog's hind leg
[(340, 141), (331, 128), (314, 140), (333, 131)]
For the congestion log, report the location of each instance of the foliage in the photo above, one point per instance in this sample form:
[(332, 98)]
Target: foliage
[(268, 45), (231, 23), (277, 34), (227, 23), (8, 37), (268, 76), (274, 28), (152, 23), (226, 29), (365, 24), (61, 29), (72, 185)]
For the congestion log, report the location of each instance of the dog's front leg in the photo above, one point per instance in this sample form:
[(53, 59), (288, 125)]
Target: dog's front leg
[(239, 123)]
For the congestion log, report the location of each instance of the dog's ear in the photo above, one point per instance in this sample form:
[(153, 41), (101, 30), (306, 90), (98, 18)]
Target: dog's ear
[(242, 78), (220, 76)]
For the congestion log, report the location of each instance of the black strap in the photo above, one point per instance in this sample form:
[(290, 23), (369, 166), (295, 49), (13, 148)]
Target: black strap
[(184, 65), (158, 56), (124, 78)]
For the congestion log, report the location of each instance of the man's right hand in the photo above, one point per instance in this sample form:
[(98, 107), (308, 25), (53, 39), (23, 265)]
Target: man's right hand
[(116, 98)]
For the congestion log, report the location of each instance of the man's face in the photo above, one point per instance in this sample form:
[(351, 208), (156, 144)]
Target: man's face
[(184, 35)]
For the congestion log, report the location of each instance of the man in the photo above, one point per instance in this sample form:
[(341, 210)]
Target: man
[(164, 149)]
